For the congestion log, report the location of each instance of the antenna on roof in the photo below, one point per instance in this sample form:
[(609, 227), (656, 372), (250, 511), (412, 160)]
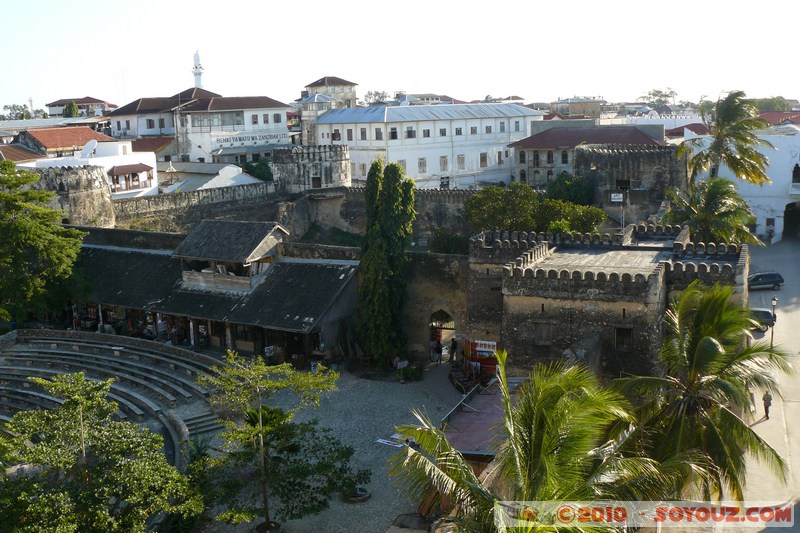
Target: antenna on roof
[(88, 148)]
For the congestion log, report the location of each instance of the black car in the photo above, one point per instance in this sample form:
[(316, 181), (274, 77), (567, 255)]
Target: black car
[(762, 318), (764, 280)]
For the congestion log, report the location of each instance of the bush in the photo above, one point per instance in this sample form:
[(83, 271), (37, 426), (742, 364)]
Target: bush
[(574, 189), (446, 242)]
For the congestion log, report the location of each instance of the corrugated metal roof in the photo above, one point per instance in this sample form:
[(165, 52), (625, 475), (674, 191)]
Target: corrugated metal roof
[(360, 115)]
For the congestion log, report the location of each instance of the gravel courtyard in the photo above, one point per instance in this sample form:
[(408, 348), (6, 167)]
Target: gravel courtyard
[(361, 412)]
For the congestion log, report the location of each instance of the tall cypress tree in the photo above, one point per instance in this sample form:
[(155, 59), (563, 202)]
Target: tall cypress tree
[(382, 295)]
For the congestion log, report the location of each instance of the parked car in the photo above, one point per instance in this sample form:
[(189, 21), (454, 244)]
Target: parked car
[(764, 280), (763, 318)]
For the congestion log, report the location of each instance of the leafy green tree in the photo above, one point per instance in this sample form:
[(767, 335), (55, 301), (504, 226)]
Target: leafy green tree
[(732, 141), (575, 189), (35, 251), (261, 442), (17, 112), (447, 242), (559, 443), (376, 96), (382, 293), (714, 212), (92, 474), (71, 110), (659, 97), (776, 103), (262, 170), (502, 208), (695, 405)]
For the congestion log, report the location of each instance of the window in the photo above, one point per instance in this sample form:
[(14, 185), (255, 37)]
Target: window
[(118, 127), (161, 123), (336, 135), (378, 134), (444, 182), (523, 176), (499, 158), (549, 175), (254, 119), (484, 160), (151, 124), (349, 134), (770, 222), (502, 127), (265, 118), (458, 131), (714, 171), (460, 162), (442, 132), (537, 177), (422, 165), (426, 133), (516, 125), (623, 339), (363, 134), (535, 158), (549, 157), (443, 163), (473, 130), (402, 164), (522, 157), (796, 174), (127, 124), (276, 118), (393, 133), (542, 334), (362, 169), (256, 157), (411, 133), (564, 157), (488, 129)]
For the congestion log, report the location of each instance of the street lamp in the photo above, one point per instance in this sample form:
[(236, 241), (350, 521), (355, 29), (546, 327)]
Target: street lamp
[(772, 332)]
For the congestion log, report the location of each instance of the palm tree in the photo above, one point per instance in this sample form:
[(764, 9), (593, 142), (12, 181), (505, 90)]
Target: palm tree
[(714, 212), (708, 368), (558, 444), (732, 141)]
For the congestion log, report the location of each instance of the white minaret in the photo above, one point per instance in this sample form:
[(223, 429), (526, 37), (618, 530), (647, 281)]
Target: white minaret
[(197, 71)]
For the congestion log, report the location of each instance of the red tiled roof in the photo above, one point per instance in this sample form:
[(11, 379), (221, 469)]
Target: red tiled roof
[(694, 127), (329, 80), (571, 137), (151, 144), (229, 103), (17, 153), (781, 117), (52, 138)]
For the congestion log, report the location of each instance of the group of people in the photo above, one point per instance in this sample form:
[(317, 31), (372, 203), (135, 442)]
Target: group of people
[(437, 350)]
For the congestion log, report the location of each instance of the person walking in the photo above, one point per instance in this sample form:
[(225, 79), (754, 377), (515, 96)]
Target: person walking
[(453, 348), (438, 351), (767, 402)]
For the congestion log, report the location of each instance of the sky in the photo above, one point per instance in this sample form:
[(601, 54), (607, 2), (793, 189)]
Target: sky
[(121, 50)]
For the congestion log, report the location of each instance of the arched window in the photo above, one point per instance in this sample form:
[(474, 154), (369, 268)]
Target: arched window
[(523, 177), (564, 157), (522, 156), (550, 157), (796, 174), (536, 176), (549, 176)]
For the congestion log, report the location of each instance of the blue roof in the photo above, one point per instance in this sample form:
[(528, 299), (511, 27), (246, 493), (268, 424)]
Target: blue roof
[(360, 115)]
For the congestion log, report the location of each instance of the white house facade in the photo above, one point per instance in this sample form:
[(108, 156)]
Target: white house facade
[(776, 205), (130, 174), (456, 146), (207, 127)]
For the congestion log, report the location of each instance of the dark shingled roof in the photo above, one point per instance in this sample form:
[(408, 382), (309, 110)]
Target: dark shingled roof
[(571, 137), (84, 100), (226, 240), (195, 92), (294, 295), (329, 80), (152, 144), (234, 102)]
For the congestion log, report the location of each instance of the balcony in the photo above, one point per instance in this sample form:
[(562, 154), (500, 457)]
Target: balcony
[(210, 280)]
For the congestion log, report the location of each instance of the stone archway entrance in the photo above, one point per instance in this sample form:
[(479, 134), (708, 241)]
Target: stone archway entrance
[(791, 221), (443, 329)]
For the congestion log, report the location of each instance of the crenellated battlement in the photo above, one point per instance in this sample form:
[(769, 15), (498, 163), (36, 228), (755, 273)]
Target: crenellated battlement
[(648, 231), (503, 246), (83, 194), (704, 250), (310, 154)]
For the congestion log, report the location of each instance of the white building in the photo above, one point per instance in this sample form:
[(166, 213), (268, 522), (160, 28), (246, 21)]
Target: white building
[(211, 128), (130, 174), (455, 146), (775, 205)]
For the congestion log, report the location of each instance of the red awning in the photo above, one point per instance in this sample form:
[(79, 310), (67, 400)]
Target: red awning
[(121, 170)]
